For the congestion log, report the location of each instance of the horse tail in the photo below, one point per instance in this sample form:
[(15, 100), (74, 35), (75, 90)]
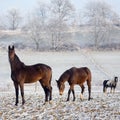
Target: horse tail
[(104, 88), (89, 78), (104, 85), (50, 79), (50, 75), (87, 70)]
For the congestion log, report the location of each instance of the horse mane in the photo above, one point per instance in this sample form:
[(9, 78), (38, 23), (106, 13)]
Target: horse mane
[(65, 76), (16, 63)]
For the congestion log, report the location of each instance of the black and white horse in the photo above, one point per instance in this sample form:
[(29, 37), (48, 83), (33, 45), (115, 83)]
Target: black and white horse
[(110, 83)]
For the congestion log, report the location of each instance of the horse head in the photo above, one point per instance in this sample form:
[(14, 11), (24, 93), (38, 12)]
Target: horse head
[(11, 52), (60, 86), (116, 79)]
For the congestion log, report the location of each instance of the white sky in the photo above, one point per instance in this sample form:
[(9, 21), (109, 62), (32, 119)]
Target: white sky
[(28, 5)]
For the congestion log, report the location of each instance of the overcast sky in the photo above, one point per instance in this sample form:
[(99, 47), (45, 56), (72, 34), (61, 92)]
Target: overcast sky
[(28, 5)]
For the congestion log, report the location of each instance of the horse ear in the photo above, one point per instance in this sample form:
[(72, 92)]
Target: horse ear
[(9, 47), (13, 47)]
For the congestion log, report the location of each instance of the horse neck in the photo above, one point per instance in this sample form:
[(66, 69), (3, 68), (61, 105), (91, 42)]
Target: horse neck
[(16, 63), (64, 77), (63, 80)]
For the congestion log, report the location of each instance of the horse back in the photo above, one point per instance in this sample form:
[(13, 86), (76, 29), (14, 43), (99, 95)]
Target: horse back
[(79, 75), (43, 70), (33, 73), (85, 73), (105, 82)]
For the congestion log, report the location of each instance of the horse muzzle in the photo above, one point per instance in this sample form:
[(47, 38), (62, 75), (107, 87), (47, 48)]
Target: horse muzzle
[(61, 93)]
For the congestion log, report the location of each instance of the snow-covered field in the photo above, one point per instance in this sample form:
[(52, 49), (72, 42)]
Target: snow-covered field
[(104, 65)]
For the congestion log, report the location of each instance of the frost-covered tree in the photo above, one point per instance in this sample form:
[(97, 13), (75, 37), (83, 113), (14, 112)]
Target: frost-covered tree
[(61, 12), (100, 16), (49, 22), (13, 19), (37, 24)]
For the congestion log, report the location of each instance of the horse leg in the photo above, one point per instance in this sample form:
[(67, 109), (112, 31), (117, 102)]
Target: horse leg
[(71, 89), (48, 93), (50, 98), (69, 94), (16, 92), (114, 89), (104, 89), (22, 92), (81, 95), (89, 89), (73, 94), (46, 90)]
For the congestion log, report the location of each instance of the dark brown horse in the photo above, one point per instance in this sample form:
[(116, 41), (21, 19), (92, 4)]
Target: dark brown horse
[(75, 76), (21, 73)]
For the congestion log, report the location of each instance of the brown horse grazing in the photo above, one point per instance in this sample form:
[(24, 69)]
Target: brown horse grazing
[(21, 73), (75, 76)]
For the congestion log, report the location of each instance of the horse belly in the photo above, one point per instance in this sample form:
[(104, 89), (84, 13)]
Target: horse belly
[(81, 81), (32, 79)]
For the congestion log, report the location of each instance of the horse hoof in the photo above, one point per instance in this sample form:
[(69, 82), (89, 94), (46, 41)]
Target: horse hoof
[(81, 97), (50, 102), (90, 99), (16, 104), (45, 103), (23, 102)]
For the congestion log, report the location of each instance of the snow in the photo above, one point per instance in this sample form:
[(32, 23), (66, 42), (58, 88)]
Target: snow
[(102, 107), (104, 65)]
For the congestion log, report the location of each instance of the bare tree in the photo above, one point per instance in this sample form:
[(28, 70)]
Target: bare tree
[(61, 11), (37, 24), (14, 18), (99, 16), (2, 21), (49, 22)]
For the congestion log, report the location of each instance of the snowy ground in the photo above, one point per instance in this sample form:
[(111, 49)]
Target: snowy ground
[(104, 65), (102, 107)]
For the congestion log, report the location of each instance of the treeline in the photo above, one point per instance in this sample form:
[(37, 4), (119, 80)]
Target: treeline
[(54, 23)]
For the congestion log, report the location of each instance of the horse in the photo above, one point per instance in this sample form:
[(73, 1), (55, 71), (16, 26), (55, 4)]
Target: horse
[(21, 73), (75, 76), (110, 83)]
